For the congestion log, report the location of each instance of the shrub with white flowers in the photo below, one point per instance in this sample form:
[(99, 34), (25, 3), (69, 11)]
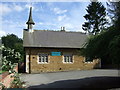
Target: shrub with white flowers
[(9, 57)]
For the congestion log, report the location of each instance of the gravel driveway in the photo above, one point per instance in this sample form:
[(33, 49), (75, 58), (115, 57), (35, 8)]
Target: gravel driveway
[(47, 78)]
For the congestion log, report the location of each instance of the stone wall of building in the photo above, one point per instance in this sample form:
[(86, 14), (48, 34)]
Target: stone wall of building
[(55, 63)]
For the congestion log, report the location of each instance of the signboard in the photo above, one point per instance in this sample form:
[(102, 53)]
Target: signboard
[(55, 53)]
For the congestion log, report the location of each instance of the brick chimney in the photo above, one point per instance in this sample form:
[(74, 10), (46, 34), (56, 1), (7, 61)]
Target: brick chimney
[(62, 29)]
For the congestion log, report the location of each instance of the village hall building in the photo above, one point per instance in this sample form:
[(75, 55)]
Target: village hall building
[(51, 51)]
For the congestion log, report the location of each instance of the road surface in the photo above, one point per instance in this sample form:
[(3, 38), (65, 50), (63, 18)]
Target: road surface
[(73, 79)]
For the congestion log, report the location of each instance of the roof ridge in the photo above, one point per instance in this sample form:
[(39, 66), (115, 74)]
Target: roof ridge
[(60, 31)]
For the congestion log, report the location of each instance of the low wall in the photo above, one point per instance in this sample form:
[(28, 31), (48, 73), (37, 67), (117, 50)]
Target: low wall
[(7, 79)]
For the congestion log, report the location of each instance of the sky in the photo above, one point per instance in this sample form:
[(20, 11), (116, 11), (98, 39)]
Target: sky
[(46, 15)]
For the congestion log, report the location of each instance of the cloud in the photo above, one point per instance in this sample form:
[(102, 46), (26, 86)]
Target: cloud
[(18, 8), (69, 25), (34, 7), (2, 33), (46, 24), (28, 5), (14, 27), (11, 24), (52, 17), (4, 9), (59, 11), (72, 27), (60, 18), (40, 23), (8, 8)]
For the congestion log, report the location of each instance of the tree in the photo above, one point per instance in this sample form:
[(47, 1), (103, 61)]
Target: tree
[(11, 41), (114, 49), (104, 46), (9, 57), (114, 13), (95, 18)]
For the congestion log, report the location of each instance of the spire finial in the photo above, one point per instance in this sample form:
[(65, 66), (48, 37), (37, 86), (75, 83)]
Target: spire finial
[(30, 21)]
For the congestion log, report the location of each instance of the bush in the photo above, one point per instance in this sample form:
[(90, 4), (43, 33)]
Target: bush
[(106, 46), (9, 58)]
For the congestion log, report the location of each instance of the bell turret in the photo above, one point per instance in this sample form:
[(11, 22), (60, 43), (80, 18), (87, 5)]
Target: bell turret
[(30, 21)]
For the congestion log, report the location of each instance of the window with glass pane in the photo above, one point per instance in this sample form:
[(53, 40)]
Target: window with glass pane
[(43, 58), (68, 59)]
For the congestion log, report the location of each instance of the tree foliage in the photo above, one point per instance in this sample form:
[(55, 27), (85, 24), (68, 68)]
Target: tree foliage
[(114, 13), (8, 65), (105, 46), (9, 58), (95, 18), (12, 42), (114, 49)]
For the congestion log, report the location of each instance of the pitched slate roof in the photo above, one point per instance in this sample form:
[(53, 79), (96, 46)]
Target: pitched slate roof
[(56, 39)]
